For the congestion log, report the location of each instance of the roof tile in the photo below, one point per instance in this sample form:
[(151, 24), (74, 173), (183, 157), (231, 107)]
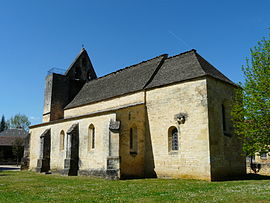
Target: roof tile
[(155, 72)]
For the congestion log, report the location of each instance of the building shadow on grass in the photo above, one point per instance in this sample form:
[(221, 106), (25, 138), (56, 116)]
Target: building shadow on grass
[(249, 176), (252, 176), (9, 168)]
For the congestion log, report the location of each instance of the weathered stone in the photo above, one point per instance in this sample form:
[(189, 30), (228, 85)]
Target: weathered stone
[(184, 114), (114, 125)]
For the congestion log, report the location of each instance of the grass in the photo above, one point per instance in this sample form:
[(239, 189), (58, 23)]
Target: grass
[(32, 187)]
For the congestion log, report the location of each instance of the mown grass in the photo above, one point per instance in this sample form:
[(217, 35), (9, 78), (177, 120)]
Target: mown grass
[(33, 187)]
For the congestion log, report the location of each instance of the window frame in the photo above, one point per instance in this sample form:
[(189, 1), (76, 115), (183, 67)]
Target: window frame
[(62, 140), (91, 137), (173, 139)]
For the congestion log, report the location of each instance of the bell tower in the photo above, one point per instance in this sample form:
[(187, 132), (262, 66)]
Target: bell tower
[(60, 89)]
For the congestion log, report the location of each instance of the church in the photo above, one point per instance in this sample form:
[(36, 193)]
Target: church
[(167, 117)]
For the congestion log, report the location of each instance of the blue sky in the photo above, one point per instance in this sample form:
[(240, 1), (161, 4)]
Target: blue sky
[(38, 35)]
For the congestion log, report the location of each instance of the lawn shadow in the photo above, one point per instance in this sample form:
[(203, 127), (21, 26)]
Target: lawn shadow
[(249, 176), (8, 168), (252, 176)]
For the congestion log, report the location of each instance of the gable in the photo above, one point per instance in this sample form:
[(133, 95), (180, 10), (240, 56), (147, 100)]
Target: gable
[(82, 68)]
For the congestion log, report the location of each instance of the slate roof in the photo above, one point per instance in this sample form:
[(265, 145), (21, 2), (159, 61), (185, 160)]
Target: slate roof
[(130, 79), (159, 71), (13, 132), (185, 66)]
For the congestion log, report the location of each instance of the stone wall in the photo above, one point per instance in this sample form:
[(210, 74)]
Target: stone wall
[(132, 163), (227, 158), (206, 151), (264, 162), (58, 93), (47, 98), (109, 104), (192, 160), (93, 161)]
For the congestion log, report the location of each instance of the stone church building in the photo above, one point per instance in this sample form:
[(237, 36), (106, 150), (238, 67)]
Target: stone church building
[(168, 116)]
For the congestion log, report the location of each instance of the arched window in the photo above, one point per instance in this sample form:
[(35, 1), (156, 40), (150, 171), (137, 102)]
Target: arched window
[(133, 140), (62, 140), (173, 144), (91, 137)]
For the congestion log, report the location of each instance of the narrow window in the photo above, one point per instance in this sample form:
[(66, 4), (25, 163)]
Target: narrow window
[(173, 144), (77, 73), (223, 118), (84, 63), (89, 75), (91, 137), (133, 140), (174, 139), (62, 140)]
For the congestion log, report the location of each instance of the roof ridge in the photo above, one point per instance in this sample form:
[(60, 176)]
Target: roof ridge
[(127, 67), (76, 58), (189, 51), (200, 60)]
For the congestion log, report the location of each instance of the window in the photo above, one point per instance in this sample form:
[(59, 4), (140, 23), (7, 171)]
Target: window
[(263, 155), (84, 62), (62, 140), (89, 75), (133, 140), (91, 137), (223, 118), (77, 73), (173, 144)]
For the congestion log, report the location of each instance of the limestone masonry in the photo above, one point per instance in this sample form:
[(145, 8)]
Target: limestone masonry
[(165, 117)]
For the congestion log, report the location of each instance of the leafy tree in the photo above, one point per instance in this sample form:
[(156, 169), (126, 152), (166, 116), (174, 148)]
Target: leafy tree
[(19, 121), (3, 124), (17, 149), (251, 108)]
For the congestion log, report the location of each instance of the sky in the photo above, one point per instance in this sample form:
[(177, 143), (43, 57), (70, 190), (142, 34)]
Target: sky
[(36, 36)]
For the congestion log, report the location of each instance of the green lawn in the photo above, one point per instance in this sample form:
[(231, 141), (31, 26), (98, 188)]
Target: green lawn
[(33, 187)]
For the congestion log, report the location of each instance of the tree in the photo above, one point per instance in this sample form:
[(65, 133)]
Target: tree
[(3, 124), (17, 149), (19, 121), (251, 108)]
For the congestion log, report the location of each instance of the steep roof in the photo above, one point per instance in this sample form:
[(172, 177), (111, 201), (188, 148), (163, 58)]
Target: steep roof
[(185, 66), (13, 132), (159, 71), (130, 79)]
